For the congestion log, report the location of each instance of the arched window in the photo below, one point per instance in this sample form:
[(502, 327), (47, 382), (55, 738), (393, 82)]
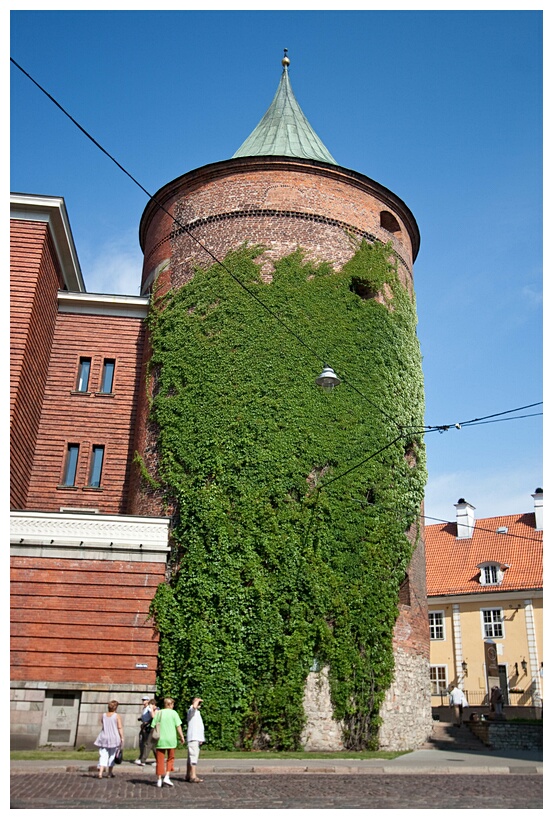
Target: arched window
[(389, 222)]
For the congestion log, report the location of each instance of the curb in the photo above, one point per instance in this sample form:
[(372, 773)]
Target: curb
[(311, 769)]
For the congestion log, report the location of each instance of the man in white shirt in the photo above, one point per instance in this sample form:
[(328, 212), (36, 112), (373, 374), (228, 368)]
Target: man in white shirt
[(458, 701), (194, 738)]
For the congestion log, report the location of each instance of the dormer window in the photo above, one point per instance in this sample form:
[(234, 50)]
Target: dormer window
[(491, 574)]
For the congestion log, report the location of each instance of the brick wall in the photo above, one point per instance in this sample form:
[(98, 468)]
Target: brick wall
[(34, 282), (90, 418), (83, 621), (411, 630), (282, 203)]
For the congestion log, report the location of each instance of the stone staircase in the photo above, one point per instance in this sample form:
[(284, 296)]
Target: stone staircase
[(446, 736)]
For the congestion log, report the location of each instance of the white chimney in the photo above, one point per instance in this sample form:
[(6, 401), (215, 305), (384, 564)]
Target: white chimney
[(538, 508), (465, 518)]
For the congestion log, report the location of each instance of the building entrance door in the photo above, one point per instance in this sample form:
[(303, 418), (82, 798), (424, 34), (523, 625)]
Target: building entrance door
[(61, 717)]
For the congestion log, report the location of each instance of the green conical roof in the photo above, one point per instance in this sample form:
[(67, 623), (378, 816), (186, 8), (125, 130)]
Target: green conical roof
[(284, 130)]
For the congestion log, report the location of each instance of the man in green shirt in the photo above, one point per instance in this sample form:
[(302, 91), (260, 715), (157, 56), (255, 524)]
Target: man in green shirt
[(169, 727)]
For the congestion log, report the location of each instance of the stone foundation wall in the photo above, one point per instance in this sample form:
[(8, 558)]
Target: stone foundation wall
[(506, 735), (321, 732), (406, 712), (27, 714)]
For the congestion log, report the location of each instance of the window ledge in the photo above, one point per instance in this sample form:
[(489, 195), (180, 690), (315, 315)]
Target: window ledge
[(93, 489), (105, 394), (65, 486), (80, 392)]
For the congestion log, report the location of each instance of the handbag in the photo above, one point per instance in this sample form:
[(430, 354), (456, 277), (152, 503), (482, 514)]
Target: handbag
[(156, 730), (118, 759)]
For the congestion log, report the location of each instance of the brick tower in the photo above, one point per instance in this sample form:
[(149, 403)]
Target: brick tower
[(282, 189)]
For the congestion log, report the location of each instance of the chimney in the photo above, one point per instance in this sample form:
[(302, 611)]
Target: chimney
[(538, 508), (465, 518)]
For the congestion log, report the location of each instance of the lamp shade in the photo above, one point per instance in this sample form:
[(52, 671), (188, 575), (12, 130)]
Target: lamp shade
[(327, 379)]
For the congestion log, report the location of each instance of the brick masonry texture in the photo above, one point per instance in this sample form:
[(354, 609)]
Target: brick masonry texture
[(34, 281), (83, 620), (280, 203), (90, 418)]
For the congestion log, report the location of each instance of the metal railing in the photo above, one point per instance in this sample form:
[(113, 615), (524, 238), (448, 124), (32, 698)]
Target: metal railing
[(479, 698)]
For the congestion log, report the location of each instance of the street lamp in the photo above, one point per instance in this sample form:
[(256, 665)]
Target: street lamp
[(327, 379)]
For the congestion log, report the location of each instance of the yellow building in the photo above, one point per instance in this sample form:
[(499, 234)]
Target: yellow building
[(485, 589)]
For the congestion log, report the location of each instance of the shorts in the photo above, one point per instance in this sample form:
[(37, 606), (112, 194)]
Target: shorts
[(193, 751)]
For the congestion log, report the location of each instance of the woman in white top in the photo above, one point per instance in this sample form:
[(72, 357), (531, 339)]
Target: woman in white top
[(110, 739)]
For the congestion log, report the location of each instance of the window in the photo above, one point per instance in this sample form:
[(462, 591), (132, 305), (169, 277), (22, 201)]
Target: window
[(438, 679), (107, 375), (96, 463), (83, 375), (62, 698), (490, 574), (436, 620), (70, 471), (493, 622), (389, 222)]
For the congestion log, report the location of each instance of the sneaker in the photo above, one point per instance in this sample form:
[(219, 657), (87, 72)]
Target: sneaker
[(159, 783), (138, 762), (167, 781)]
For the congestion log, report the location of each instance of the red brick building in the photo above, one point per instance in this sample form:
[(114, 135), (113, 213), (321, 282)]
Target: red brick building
[(83, 569), (88, 545)]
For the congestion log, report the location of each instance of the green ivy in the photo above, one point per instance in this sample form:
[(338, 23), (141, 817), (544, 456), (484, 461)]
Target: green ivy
[(272, 569)]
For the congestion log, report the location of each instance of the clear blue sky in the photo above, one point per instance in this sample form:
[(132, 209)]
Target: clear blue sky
[(442, 107)]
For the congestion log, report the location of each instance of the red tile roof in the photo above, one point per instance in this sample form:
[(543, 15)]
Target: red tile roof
[(451, 564)]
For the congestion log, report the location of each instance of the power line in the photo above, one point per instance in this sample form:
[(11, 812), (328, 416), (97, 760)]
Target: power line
[(490, 531), (474, 421), (323, 359), (364, 461), (408, 434)]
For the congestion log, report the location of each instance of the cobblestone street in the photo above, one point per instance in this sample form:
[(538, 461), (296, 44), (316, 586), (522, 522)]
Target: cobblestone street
[(265, 792)]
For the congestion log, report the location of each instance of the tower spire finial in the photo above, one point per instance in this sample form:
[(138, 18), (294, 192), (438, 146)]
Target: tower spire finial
[(285, 60)]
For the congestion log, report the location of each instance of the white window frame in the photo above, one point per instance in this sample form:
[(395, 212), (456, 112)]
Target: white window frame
[(442, 624), (493, 623), (434, 689), (489, 568)]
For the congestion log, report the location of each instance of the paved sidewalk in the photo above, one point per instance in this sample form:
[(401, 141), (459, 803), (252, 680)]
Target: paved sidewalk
[(424, 761)]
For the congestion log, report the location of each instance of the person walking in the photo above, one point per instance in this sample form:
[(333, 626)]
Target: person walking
[(170, 731), (145, 742), (109, 740), (194, 738), (458, 701)]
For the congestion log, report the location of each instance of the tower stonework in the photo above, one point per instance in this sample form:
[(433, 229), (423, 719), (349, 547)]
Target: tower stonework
[(279, 202), (284, 198)]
